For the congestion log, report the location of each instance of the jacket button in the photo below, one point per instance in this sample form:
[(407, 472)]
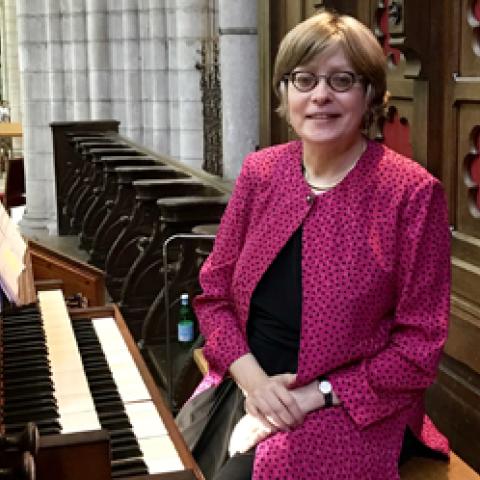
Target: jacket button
[(309, 199)]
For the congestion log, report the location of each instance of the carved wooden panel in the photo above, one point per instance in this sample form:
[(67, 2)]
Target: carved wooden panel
[(404, 127), (469, 171), (211, 106), (389, 16), (459, 377), (467, 103), (470, 38)]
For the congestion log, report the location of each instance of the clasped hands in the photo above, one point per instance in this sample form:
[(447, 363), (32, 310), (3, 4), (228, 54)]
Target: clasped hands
[(272, 407)]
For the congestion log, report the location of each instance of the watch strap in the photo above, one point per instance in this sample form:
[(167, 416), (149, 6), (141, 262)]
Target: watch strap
[(327, 397)]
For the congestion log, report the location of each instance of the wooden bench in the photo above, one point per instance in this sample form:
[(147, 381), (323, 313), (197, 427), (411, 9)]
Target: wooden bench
[(428, 469), (415, 468)]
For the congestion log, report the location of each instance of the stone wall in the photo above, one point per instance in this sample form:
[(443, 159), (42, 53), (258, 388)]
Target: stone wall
[(136, 61), (131, 60)]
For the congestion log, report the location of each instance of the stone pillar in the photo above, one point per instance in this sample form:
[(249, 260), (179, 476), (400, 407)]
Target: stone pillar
[(116, 60), (98, 65), (239, 81), (75, 42), (187, 25), (34, 62), (10, 70), (155, 79), (132, 125)]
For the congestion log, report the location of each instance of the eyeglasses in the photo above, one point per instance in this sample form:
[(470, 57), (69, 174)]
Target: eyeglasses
[(337, 81)]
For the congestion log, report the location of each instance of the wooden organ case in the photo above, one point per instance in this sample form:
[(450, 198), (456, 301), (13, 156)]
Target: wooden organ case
[(74, 444)]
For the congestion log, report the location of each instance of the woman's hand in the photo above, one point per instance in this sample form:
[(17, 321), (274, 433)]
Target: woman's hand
[(247, 433), (273, 404), (267, 398)]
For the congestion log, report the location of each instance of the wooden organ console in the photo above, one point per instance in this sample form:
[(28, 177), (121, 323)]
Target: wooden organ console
[(79, 376)]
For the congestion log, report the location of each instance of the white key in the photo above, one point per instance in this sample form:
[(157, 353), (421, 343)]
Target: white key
[(145, 420), (160, 454), (124, 370), (158, 450), (79, 422), (75, 403)]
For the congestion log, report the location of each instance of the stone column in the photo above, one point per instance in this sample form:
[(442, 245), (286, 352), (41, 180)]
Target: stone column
[(131, 126), (34, 57), (239, 81), (10, 70), (115, 48), (155, 79), (98, 64), (186, 27)]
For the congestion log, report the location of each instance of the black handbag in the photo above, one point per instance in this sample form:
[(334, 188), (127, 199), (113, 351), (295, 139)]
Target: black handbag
[(207, 421)]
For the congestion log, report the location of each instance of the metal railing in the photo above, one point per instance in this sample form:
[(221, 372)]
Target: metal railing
[(166, 244)]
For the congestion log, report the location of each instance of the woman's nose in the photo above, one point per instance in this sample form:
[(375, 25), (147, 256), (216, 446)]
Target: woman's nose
[(322, 91)]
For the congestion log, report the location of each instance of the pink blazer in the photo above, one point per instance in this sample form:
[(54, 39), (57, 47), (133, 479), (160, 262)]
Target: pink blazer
[(375, 307)]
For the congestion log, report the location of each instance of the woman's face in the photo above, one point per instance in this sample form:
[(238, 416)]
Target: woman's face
[(323, 116)]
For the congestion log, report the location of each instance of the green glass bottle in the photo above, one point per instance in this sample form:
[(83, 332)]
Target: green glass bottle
[(186, 320)]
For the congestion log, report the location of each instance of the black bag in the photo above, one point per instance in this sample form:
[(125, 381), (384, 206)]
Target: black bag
[(207, 421)]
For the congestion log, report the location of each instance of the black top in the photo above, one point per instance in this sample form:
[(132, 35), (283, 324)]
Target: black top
[(275, 311)]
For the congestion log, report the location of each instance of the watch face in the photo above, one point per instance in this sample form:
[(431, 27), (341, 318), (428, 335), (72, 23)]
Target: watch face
[(325, 387)]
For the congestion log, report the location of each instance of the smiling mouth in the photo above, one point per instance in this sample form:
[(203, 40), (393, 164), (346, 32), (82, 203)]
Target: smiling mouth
[(323, 116)]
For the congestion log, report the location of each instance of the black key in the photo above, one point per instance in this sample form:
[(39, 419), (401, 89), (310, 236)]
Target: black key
[(39, 386), (128, 468), (28, 405), (39, 413), (45, 427), (38, 371)]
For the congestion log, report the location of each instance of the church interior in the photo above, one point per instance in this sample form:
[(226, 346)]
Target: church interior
[(123, 127)]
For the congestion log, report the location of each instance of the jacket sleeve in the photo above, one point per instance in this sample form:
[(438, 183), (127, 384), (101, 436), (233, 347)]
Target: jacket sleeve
[(397, 376), (215, 310)]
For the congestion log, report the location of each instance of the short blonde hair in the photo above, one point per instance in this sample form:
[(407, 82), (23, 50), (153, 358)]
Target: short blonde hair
[(327, 29)]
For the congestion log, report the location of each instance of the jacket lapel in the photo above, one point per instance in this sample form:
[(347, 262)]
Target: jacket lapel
[(288, 207)]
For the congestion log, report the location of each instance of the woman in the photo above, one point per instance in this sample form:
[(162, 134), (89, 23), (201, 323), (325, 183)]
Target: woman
[(326, 297)]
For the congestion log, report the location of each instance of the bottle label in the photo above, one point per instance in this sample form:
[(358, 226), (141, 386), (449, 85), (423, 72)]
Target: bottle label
[(185, 331)]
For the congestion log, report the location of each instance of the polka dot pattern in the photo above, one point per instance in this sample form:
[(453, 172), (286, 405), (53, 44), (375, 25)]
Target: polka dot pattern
[(375, 274)]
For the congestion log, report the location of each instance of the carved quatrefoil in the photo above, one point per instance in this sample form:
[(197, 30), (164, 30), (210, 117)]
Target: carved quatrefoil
[(474, 22), (472, 172)]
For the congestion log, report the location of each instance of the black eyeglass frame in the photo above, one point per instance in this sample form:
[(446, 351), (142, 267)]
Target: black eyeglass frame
[(328, 79)]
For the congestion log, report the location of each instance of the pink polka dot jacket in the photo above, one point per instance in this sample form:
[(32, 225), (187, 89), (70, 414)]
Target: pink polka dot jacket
[(375, 306)]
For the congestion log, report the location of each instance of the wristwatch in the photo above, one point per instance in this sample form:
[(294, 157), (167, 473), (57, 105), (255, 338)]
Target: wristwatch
[(325, 388)]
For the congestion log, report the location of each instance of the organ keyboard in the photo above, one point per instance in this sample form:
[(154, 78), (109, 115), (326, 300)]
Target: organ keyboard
[(79, 376)]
